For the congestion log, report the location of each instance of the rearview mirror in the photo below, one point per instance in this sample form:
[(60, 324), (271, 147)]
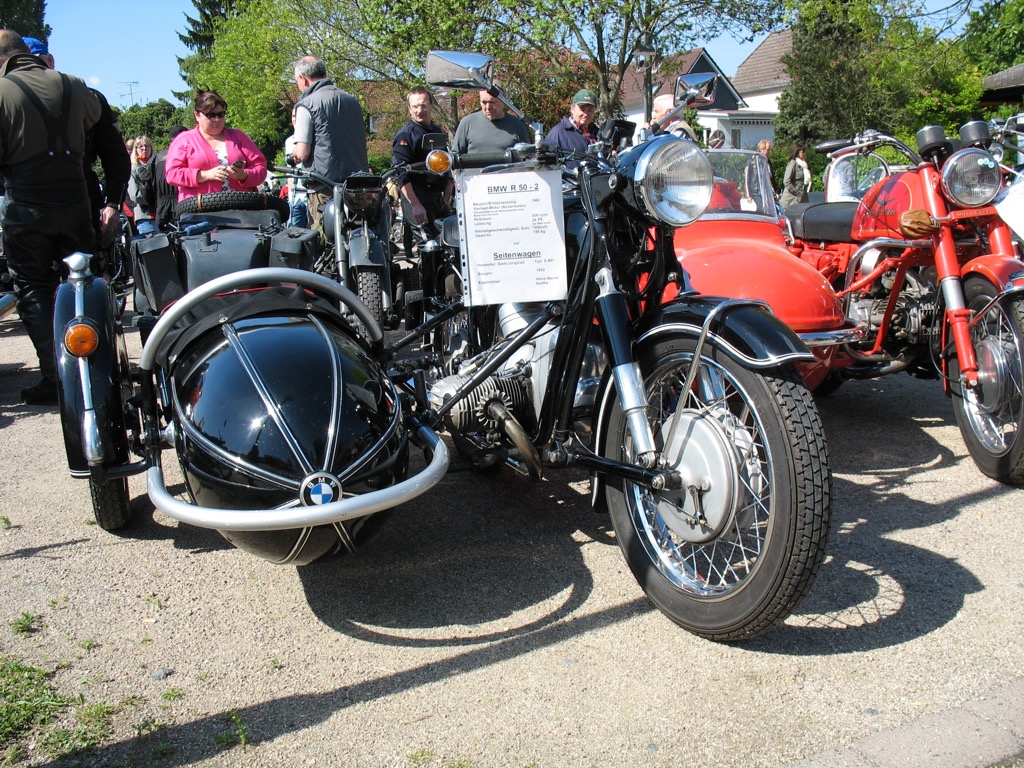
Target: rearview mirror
[(697, 90), (455, 69), (432, 141)]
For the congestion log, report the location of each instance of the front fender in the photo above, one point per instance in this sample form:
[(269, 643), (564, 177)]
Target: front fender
[(365, 251), (1001, 271), (752, 336), (92, 421)]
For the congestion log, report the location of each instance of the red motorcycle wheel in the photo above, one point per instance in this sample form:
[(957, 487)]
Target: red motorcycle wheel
[(991, 415)]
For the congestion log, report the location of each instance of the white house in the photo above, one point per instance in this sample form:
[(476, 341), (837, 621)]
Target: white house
[(746, 104), (663, 80)]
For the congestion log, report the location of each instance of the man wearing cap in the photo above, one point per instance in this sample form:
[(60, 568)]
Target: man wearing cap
[(44, 117), (576, 131)]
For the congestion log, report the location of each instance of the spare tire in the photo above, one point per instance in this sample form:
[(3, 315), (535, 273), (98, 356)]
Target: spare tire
[(233, 200)]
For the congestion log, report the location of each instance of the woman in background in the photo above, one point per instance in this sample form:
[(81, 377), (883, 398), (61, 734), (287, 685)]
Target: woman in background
[(141, 187)]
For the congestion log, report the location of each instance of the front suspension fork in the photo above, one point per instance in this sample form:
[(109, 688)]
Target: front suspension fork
[(613, 315)]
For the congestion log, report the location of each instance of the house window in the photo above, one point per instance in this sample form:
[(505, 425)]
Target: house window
[(736, 137)]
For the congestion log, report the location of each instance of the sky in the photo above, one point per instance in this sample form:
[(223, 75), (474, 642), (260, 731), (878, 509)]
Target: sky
[(137, 61)]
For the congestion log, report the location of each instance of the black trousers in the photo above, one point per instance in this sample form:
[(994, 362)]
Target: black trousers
[(36, 239)]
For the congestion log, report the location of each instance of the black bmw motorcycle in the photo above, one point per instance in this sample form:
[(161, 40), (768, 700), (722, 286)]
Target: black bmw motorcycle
[(550, 342)]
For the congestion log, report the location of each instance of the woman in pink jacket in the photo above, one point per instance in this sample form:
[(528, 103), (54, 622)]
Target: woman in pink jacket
[(212, 158)]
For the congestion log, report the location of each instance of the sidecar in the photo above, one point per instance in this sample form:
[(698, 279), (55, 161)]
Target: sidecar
[(738, 249), (264, 377)]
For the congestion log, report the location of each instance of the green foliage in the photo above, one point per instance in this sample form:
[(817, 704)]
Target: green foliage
[(893, 74), (26, 624), (26, 699), (154, 120), (93, 726), (25, 17), (250, 65), (200, 35), (994, 37)]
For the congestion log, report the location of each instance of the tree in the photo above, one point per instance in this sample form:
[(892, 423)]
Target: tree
[(393, 36), (154, 120), (892, 73), (994, 37), (200, 35), (25, 17), (200, 38), (250, 66)]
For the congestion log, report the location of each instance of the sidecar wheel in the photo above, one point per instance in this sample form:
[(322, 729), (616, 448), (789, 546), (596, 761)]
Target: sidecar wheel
[(991, 416), (742, 561), (110, 503), (233, 200), (371, 293)]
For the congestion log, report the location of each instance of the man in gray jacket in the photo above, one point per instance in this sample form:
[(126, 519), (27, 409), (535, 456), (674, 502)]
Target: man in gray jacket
[(330, 138)]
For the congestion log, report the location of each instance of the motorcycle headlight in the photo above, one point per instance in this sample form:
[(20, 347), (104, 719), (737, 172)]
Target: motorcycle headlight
[(971, 178), (674, 180)]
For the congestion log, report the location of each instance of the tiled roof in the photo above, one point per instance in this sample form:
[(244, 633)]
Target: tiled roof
[(1008, 78), (669, 68), (763, 69)]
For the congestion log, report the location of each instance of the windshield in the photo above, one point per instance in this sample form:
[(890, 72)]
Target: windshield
[(848, 178), (743, 184)]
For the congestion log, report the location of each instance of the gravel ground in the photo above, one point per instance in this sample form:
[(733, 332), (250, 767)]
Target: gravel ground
[(494, 622)]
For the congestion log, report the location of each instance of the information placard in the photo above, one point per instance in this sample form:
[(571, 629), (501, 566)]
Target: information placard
[(513, 237)]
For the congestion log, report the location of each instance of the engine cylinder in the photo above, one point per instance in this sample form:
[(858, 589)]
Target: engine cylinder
[(470, 414)]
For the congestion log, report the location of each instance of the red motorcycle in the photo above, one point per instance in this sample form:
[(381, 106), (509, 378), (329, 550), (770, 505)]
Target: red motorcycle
[(907, 266)]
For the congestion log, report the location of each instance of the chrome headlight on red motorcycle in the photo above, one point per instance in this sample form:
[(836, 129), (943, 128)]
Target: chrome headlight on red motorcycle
[(971, 178), (672, 179)]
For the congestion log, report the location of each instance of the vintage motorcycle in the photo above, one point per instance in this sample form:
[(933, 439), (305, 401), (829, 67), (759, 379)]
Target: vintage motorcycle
[(543, 349), (357, 224), (920, 274)]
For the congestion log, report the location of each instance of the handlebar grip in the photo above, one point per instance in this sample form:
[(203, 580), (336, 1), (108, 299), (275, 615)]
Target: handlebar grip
[(482, 159), (832, 145)]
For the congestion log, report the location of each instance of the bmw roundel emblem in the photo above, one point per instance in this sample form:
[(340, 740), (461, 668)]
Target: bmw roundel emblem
[(320, 488)]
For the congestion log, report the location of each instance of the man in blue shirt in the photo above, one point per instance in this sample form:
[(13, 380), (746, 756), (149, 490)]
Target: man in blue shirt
[(422, 193), (576, 131)]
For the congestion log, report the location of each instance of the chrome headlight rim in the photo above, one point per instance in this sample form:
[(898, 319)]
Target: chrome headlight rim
[(656, 155), (965, 194)]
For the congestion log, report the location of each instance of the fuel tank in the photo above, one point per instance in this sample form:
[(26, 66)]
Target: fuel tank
[(878, 215)]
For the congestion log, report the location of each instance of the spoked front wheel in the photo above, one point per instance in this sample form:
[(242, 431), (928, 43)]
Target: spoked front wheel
[(734, 551), (991, 415)]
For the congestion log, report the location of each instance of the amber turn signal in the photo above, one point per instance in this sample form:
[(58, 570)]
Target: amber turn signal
[(81, 339), (438, 161)]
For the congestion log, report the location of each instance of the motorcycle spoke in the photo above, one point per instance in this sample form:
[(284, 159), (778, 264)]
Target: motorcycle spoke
[(718, 566)]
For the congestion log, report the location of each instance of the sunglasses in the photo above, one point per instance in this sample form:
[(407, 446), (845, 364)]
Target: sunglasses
[(214, 115)]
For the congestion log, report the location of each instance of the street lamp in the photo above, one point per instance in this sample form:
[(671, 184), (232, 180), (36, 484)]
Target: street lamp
[(646, 56)]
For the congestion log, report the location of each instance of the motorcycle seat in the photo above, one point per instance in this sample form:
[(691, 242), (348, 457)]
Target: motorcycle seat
[(830, 222)]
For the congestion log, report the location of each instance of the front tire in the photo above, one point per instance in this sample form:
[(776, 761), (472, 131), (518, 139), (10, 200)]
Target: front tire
[(370, 289), (752, 450), (110, 503), (991, 415)]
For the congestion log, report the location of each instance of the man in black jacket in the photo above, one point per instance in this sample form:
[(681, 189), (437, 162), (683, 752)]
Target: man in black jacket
[(166, 194), (422, 193), (44, 118)]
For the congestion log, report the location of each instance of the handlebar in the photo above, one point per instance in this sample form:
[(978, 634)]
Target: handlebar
[(516, 154), (832, 145), (306, 173)]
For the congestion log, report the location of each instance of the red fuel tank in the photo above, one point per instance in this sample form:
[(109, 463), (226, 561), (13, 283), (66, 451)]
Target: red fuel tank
[(878, 214)]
